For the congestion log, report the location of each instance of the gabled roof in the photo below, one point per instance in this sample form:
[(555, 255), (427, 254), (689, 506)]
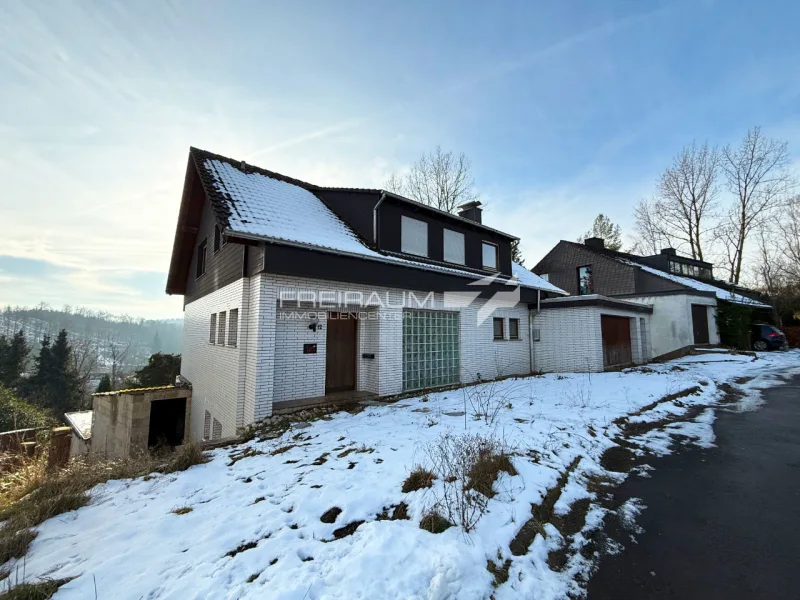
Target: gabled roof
[(257, 204), (530, 279), (634, 261)]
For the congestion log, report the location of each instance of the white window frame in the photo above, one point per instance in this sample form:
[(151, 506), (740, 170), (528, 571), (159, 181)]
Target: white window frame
[(456, 242), (410, 240)]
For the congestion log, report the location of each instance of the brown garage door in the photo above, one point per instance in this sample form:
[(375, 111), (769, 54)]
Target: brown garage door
[(616, 341), (700, 323)]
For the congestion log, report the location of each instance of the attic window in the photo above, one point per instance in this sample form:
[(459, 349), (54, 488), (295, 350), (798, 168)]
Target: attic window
[(201, 258), (217, 239), (454, 246), (489, 256), (413, 236)]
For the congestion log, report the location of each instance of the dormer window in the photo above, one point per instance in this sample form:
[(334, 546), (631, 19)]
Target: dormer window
[(490, 260), (414, 236), (680, 268), (454, 247)]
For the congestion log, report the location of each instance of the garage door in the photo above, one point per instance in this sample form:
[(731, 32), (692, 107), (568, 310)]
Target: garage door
[(430, 349), (616, 341)]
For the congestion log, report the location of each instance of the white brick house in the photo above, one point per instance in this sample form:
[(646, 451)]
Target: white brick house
[(299, 294)]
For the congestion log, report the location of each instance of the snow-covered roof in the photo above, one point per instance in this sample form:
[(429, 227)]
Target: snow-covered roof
[(269, 208), (530, 279), (81, 423), (720, 293)]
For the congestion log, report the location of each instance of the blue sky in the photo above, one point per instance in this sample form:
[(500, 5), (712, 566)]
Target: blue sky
[(566, 109)]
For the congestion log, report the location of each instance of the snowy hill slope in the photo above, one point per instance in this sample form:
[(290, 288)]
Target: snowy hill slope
[(254, 528)]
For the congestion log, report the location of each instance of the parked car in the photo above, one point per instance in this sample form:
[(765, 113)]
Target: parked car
[(766, 337)]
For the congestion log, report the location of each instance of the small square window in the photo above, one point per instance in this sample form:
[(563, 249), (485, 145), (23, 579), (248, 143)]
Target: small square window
[(221, 329), (498, 328), (585, 281), (201, 258), (212, 338), (513, 329), (489, 256)]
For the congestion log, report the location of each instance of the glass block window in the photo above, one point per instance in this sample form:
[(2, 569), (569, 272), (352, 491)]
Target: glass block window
[(414, 236), (430, 349)]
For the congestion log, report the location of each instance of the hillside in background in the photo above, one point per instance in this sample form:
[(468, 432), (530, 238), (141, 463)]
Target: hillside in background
[(122, 339)]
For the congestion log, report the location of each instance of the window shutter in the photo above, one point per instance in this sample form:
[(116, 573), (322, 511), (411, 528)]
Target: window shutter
[(221, 329), (414, 236), (233, 327), (213, 333), (454, 247)]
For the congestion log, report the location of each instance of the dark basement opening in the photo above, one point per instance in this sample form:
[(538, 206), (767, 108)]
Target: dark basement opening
[(167, 419)]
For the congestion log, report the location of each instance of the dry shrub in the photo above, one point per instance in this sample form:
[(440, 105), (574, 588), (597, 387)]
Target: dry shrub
[(185, 456), (42, 590), (468, 466), (418, 479)]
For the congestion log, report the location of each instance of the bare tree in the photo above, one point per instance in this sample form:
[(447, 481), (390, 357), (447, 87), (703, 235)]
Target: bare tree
[(650, 236), (85, 358), (118, 356), (439, 179), (604, 228), (788, 227), (686, 196), (758, 176)]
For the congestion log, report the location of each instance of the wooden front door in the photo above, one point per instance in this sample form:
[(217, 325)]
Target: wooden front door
[(616, 341), (700, 323), (340, 352)]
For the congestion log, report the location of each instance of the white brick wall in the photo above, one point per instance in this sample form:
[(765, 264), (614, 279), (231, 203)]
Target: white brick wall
[(571, 339), (212, 369), (298, 375)]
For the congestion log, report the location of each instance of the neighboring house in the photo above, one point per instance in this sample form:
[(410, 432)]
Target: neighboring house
[(681, 290), (297, 294)]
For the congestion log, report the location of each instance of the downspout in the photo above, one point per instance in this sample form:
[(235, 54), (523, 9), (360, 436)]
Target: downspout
[(375, 219), (530, 329)]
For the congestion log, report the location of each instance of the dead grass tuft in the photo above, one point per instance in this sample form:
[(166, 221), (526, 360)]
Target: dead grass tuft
[(418, 479), (499, 572), (182, 510), (433, 522), (348, 529), (43, 590), (399, 513), (185, 456), (486, 469), (281, 450)]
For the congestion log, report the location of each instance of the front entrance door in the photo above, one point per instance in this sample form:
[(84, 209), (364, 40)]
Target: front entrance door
[(616, 341), (700, 323), (340, 352)]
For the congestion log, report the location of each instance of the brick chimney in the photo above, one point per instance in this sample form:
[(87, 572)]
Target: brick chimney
[(595, 242), (471, 211)]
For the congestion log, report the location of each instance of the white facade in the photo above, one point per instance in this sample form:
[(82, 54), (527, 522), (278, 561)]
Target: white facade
[(672, 320), (240, 385), (571, 339)]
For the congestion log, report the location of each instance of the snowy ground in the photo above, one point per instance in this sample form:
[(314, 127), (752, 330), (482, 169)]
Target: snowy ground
[(254, 530)]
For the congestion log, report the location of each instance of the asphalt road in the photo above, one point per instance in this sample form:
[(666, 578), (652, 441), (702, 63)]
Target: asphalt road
[(721, 522)]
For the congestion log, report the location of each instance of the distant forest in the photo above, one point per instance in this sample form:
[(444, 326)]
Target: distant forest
[(119, 341)]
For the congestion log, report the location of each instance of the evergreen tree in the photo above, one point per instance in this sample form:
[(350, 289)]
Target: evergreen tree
[(161, 369), (104, 385), (604, 228), (55, 383), (13, 355), (516, 255)]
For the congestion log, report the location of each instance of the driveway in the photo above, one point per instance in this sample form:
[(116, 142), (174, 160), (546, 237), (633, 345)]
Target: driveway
[(721, 522)]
